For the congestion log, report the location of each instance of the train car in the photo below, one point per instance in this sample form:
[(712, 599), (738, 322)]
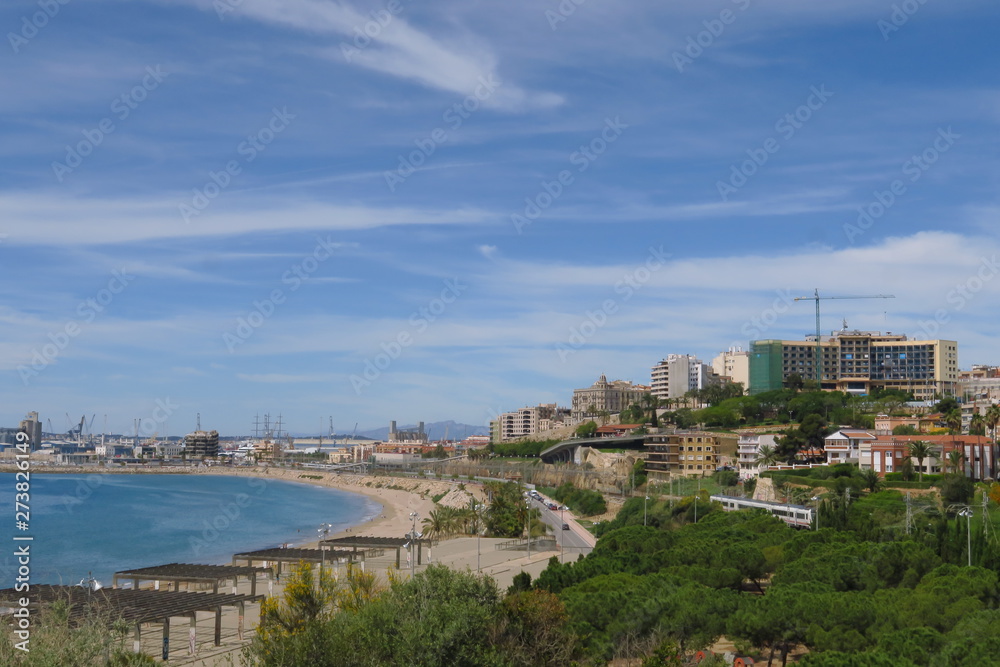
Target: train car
[(799, 516)]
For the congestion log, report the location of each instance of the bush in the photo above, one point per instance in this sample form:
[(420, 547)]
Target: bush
[(726, 477), (582, 501), (957, 488)]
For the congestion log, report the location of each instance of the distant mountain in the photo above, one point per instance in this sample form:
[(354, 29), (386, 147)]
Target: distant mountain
[(434, 430)]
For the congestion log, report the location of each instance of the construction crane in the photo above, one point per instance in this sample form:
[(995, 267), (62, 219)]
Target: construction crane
[(816, 297)]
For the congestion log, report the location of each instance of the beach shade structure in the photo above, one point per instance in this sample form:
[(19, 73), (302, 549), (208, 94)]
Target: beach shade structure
[(134, 607), (279, 556), (368, 543), (175, 573)]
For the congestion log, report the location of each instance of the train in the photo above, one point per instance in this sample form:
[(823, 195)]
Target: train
[(799, 516)]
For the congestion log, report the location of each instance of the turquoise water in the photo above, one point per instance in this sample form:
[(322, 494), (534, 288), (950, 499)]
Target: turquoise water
[(107, 523)]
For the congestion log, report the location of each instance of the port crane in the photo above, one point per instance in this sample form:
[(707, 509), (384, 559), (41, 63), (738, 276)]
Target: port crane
[(817, 298)]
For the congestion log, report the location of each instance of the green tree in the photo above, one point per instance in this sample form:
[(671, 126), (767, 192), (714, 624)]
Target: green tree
[(946, 405), (977, 424), (992, 418), (905, 429), (920, 450), (871, 480), (955, 460), (767, 456), (953, 419), (957, 488), (587, 429)]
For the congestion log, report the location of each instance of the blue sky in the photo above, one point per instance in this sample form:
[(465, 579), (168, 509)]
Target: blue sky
[(238, 207)]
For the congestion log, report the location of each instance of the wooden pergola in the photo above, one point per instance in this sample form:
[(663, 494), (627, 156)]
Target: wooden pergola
[(176, 573), (366, 543), (280, 556), (136, 607)]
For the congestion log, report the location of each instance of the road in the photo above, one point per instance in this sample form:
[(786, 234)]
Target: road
[(577, 539)]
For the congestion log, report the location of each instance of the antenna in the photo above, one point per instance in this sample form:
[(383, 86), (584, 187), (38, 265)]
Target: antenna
[(199, 422)]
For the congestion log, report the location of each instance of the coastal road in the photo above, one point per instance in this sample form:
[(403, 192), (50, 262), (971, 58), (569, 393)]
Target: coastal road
[(574, 541)]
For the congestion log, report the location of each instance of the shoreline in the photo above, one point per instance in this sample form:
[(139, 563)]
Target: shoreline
[(396, 497)]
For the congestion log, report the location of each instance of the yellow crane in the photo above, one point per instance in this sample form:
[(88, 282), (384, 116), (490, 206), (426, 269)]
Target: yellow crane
[(816, 297)]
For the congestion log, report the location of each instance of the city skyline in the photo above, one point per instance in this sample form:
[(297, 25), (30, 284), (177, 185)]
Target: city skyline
[(389, 210)]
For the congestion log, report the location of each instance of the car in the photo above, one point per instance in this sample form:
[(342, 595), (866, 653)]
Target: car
[(553, 506), (565, 526)]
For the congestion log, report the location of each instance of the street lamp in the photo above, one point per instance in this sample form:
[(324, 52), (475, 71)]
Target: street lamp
[(815, 499), (414, 536), (477, 509), (967, 513), (645, 500)]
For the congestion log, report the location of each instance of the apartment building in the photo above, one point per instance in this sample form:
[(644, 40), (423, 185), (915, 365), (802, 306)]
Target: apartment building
[(884, 453), (733, 366), (528, 421), (604, 396), (678, 374), (858, 362), (748, 451), (681, 454), (979, 454)]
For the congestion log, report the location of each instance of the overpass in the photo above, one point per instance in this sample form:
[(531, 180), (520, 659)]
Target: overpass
[(568, 451)]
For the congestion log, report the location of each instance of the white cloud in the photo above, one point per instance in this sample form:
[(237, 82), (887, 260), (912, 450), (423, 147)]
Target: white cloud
[(398, 49)]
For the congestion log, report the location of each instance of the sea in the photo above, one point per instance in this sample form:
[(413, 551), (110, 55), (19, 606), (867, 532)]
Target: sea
[(92, 525)]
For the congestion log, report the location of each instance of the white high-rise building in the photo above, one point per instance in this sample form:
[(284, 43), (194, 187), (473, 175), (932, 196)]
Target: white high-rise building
[(678, 374)]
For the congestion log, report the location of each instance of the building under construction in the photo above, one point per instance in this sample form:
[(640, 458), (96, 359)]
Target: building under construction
[(202, 444)]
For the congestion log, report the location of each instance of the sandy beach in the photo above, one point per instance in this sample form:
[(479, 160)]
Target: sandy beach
[(398, 497)]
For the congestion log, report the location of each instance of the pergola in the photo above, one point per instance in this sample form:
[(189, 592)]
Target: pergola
[(365, 543), (280, 556), (136, 607), (217, 575)]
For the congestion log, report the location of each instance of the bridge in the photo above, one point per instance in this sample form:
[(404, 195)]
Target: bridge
[(567, 451)]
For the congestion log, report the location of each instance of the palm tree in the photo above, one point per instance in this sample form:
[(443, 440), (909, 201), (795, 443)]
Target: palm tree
[(920, 450), (955, 460), (992, 418), (871, 480), (953, 419), (767, 456), (437, 523), (977, 425)]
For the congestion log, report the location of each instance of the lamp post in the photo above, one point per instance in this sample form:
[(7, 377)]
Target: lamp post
[(477, 509), (815, 499), (645, 500), (527, 522), (967, 513), (413, 542)]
